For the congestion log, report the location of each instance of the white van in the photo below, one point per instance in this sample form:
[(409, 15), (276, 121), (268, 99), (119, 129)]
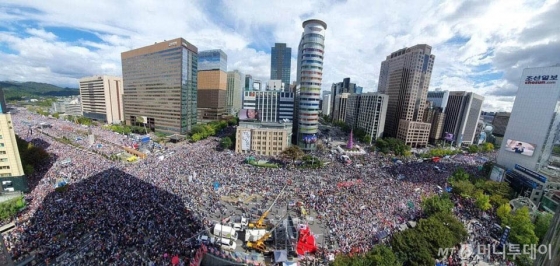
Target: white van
[(224, 243)]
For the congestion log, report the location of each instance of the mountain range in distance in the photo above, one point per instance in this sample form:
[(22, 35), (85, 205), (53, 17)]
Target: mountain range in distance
[(14, 91)]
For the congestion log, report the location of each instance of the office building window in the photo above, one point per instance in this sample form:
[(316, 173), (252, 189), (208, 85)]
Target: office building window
[(1, 145), (2, 152), (4, 167), (3, 160)]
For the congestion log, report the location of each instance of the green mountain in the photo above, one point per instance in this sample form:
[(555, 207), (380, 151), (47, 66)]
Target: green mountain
[(18, 90)]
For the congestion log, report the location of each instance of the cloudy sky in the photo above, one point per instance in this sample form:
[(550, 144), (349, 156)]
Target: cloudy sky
[(480, 46)]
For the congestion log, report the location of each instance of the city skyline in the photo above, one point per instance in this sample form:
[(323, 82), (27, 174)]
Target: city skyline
[(481, 47)]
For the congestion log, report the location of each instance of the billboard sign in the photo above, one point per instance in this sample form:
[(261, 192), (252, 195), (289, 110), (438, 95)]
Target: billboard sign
[(531, 173), (246, 140), (248, 114), (520, 147), (309, 138), (544, 79)]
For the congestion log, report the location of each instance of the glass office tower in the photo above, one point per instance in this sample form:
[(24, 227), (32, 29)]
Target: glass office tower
[(281, 63), (160, 86)]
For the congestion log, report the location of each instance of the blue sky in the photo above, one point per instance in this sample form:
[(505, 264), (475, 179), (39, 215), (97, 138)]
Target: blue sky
[(480, 46)]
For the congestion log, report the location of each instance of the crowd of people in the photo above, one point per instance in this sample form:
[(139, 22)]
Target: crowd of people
[(116, 212)]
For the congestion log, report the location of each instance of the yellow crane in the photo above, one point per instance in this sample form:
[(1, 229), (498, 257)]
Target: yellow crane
[(259, 244), (260, 224)]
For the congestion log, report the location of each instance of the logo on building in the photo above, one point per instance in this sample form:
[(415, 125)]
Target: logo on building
[(172, 44), (544, 79)]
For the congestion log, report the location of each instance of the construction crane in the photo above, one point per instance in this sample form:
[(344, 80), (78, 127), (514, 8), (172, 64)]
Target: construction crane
[(259, 244), (259, 224)]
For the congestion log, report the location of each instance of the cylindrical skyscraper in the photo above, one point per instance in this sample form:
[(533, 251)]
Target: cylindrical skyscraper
[(309, 77)]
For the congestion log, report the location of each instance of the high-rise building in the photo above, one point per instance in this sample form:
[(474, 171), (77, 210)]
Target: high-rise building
[(270, 105), (212, 84), (462, 111), (529, 151), (461, 116), (326, 108), (367, 112), (281, 63), (500, 122), (340, 104), (12, 176), (102, 98), (405, 78), (343, 87), (234, 91), (311, 50), (159, 84), (248, 82)]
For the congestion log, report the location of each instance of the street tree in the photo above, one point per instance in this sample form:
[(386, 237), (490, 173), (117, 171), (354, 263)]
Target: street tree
[(292, 153)]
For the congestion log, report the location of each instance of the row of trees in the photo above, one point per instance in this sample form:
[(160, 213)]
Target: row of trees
[(200, 132), (9, 208), (419, 245), (485, 147), (125, 129), (486, 193), (31, 156), (397, 146)]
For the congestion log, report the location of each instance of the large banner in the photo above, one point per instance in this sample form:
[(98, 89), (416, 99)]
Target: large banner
[(520, 147), (246, 140)]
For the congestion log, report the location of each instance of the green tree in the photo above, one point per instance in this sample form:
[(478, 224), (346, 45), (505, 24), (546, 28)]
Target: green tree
[(292, 153), (497, 200), (366, 139), (198, 129), (460, 175), (522, 228), (482, 201), (503, 212), (412, 248), (436, 204), (487, 168), (437, 230), (10, 207), (196, 137), (463, 188), (487, 147), (381, 255), (226, 143), (473, 148), (542, 223)]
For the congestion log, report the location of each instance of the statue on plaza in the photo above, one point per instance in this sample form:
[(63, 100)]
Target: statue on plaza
[(350, 143)]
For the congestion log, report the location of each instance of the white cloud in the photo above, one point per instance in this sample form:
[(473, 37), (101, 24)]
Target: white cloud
[(504, 36)]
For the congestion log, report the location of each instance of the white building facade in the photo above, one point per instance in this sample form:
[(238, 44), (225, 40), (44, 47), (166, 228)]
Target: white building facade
[(527, 153), (102, 98)]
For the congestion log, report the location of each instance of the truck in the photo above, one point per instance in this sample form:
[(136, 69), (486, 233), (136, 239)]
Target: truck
[(254, 234), (225, 231), (240, 224)]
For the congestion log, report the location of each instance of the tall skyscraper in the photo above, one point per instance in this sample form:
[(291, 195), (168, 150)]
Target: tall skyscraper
[(405, 77), (234, 91), (281, 63), (461, 116), (529, 150), (343, 87), (212, 84), (12, 177), (367, 112), (309, 77), (159, 83), (326, 108), (339, 110), (462, 110), (102, 98)]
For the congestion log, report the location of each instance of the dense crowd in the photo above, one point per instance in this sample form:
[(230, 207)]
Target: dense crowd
[(116, 213)]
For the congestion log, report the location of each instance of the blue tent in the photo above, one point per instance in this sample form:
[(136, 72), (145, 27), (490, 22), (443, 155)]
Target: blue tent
[(216, 185)]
